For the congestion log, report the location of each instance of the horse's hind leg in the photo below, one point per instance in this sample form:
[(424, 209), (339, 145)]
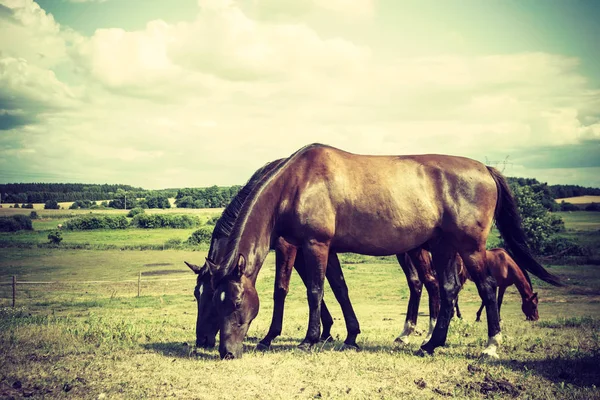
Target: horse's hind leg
[(285, 256), (338, 285), (475, 262), (501, 291), (415, 287), (443, 261), (478, 319), (422, 261)]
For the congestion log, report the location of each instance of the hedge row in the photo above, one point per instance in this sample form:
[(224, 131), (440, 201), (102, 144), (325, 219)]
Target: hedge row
[(145, 221), (15, 223)]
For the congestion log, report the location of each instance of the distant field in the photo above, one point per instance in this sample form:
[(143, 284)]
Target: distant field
[(580, 200)]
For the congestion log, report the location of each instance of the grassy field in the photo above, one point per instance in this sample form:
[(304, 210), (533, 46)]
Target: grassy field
[(83, 339)]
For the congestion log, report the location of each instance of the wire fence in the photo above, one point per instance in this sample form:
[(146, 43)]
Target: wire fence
[(27, 289)]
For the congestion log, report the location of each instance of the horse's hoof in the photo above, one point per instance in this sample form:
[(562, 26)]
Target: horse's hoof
[(325, 339), (423, 352), (489, 354), (305, 346), (263, 346), (350, 346), (401, 341)]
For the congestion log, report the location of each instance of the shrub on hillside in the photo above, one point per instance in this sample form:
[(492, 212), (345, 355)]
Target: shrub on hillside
[(51, 205), (84, 204), (202, 235), (213, 221), (593, 207), (28, 205), (15, 223), (34, 215), (89, 222), (135, 211), (55, 237), (150, 221), (538, 224), (564, 206)]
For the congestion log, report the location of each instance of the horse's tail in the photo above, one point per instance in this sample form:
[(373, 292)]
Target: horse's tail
[(508, 222)]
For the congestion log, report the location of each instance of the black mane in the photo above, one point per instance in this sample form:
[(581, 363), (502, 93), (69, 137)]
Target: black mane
[(224, 225)]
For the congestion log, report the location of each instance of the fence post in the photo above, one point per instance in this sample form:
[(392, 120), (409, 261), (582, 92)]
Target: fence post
[(139, 282), (14, 287)]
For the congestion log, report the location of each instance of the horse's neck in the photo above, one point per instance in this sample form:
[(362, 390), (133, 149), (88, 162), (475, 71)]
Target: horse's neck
[(255, 233), (520, 281)]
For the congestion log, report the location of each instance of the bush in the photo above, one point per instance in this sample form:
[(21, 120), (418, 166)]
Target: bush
[(151, 221), (538, 224), (51, 205), (28, 205), (172, 243), (564, 246), (84, 204), (135, 211), (16, 205), (55, 237), (593, 207), (89, 222), (15, 223), (564, 206), (34, 215), (202, 235), (213, 220)]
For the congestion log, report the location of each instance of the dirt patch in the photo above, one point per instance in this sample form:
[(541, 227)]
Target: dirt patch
[(162, 272), (491, 387), (157, 264)]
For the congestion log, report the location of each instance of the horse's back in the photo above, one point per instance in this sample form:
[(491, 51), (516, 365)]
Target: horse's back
[(404, 198)]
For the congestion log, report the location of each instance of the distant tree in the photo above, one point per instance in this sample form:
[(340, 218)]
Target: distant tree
[(16, 205), (51, 205), (538, 224), (135, 211), (34, 215), (565, 206)]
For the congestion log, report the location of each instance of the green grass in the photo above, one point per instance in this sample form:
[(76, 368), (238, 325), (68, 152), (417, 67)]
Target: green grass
[(581, 220), (82, 339), (102, 340)]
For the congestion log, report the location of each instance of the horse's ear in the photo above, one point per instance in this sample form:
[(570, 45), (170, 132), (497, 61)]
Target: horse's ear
[(212, 267), (241, 264), (194, 267), (535, 295)]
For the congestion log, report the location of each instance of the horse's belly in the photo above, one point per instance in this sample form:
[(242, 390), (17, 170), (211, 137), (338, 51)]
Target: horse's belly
[(382, 239)]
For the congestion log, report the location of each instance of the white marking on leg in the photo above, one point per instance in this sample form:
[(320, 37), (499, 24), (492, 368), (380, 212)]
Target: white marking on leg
[(201, 289), (222, 296), (432, 322), (492, 346), (409, 328)]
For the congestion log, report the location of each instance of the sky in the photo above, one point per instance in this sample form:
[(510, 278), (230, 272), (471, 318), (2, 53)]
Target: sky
[(190, 93)]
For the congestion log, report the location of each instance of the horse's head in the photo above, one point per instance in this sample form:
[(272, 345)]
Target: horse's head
[(237, 303), (529, 307), (207, 321)]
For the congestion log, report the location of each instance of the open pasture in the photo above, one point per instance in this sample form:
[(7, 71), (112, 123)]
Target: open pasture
[(78, 337), (99, 339)]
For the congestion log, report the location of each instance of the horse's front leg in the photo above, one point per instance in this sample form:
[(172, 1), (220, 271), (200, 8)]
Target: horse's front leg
[(415, 287), (315, 257), (285, 254), (326, 318)]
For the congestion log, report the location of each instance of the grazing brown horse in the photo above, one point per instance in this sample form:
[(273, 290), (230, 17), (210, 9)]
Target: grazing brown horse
[(416, 269), (207, 324), (506, 272), (324, 199)]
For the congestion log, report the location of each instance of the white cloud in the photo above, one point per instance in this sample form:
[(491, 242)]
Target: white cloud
[(208, 101)]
